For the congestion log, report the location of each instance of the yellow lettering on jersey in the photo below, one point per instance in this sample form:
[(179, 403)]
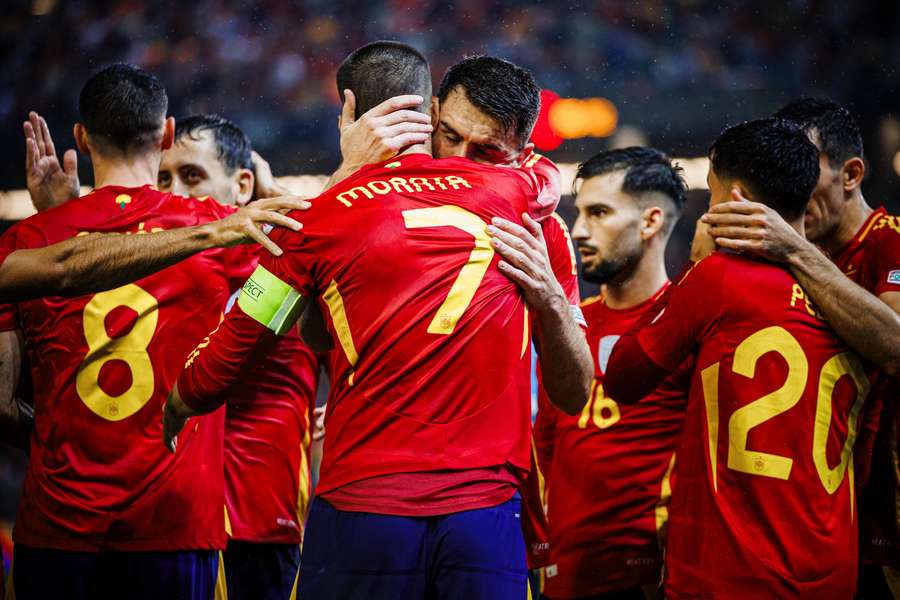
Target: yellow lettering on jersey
[(797, 294), (352, 195), (379, 187), (888, 221), (399, 182), (412, 185)]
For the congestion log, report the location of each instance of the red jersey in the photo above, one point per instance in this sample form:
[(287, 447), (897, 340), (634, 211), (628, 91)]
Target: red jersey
[(611, 475), (764, 503), (872, 260), (432, 337), (103, 365), (268, 429)]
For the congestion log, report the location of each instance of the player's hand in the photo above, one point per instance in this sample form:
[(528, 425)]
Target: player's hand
[(319, 429), (745, 226), (252, 222), (265, 185), (381, 132), (526, 262), (172, 426), (49, 183)]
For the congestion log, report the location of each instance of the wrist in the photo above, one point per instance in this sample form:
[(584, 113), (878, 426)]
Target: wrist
[(799, 257)]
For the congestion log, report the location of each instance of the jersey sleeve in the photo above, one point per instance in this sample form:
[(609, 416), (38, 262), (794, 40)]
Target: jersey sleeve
[(545, 432), (887, 258), (661, 341), (9, 242), (546, 181), (562, 261)]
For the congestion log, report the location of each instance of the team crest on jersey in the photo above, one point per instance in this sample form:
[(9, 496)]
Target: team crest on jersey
[(894, 277), (607, 343)]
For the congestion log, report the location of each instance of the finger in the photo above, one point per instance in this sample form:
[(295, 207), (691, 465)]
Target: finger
[(404, 127), (408, 139), (263, 240), (48, 140), (279, 220), (737, 196), (348, 111), (70, 163), (396, 103), (753, 246), (30, 148), (744, 207), (405, 116), (534, 227), (511, 240), (283, 203), (318, 435), (499, 224), (514, 257), (736, 233), (518, 277), (732, 219), (36, 125)]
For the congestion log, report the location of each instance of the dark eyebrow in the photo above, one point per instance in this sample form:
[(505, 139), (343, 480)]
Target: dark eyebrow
[(449, 129)]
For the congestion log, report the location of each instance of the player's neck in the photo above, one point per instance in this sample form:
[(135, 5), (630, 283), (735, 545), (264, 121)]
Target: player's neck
[(424, 148), (648, 277), (855, 216), (132, 173)]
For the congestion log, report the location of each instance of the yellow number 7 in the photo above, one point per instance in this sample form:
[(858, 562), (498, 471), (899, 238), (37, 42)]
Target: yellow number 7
[(466, 284)]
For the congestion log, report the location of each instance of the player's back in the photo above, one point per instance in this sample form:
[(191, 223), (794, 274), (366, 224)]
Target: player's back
[(430, 372), (103, 364), (765, 470)]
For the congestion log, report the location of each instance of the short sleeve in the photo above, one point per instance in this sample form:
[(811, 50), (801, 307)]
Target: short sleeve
[(9, 313), (546, 182), (887, 261), (684, 314)]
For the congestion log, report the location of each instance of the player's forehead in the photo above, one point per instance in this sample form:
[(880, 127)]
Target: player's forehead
[(192, 148), (605, 189), (471, 123)]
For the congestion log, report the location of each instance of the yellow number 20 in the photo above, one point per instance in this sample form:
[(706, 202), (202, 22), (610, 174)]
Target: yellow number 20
[(130, 348)]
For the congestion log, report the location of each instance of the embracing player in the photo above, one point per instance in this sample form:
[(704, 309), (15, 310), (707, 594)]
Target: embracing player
[(268, 416), (774, 401), (864, 245), (609, 469), (429, 413), (104, 509)]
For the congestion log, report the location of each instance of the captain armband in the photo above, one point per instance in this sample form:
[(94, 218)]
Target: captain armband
[(270, 301)]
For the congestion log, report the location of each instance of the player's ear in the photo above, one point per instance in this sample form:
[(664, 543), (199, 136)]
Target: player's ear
[(80, 135), (245, 182), (168, 136), (653, 219), (435, 112), (852, 173)]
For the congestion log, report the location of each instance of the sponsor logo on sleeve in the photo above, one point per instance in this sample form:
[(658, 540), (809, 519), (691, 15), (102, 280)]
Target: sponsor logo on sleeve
[(894, 277)]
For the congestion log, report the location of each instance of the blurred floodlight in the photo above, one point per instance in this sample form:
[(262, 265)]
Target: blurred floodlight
[(897, 163), (572, 118), (42, 7)]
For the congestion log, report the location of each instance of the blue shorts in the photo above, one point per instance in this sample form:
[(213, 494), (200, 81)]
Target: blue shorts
[(471, 555), (39, 574), (261, 571)]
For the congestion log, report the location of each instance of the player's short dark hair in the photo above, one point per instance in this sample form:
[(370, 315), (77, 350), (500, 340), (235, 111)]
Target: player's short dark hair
[(505, 92), (381, 70), (232, 145), (837, 131), (122, 107), (648, 172), (773, 158)]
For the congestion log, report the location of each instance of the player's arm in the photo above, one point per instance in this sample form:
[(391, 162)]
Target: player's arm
[(380, 133), (98, 262), (313, 330), (267, 308), (661, 340), (867, 323), (16, 419), (566, 364)]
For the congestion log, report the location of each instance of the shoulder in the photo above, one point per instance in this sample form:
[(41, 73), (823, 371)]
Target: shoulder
[(883, 234), (204, 206)]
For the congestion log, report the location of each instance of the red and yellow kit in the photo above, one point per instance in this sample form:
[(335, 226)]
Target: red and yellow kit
[(872, 260), (99, 478), (432, 372), (268, 429), (764, 502), (611, 473)]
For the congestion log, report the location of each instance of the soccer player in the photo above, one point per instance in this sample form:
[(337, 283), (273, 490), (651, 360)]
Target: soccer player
[(859, 294), (105, 511), (268, 415), (487, 108), (610, 479), (763, 506), (429, 412)]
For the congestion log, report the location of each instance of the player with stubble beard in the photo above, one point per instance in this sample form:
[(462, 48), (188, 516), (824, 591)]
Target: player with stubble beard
[(609, 469)]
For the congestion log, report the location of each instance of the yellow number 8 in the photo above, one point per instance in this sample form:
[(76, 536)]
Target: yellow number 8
[(130, 348)]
